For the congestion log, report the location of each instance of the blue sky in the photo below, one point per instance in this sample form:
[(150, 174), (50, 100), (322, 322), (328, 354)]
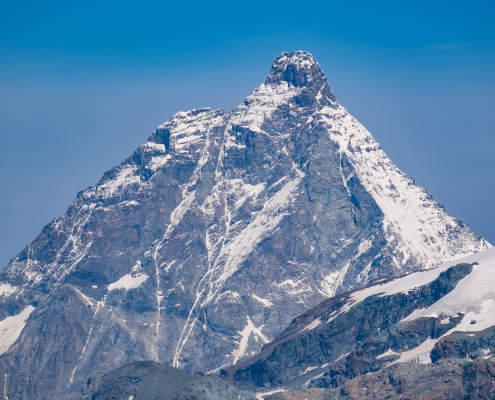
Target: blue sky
[(82, 84)]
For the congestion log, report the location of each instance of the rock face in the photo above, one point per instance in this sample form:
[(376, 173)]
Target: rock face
[(361, 344), (144, 380), (456, 379), (206, 242), (360, 337)]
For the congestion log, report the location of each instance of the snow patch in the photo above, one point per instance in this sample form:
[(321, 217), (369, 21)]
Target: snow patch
[(414, 315), (296, 288), (312, 325), (474, 296), (329, 283), (389, 352), (191, 128), (261, 396), (420, 354), (313, 378), (243, 343), (410, 282), (309, 369), (153, 147), (342, 356), (130, 281), (11, 328), (6, 289), (126, 176), (259, 106), (158, 162), (265, 302), (88, 300)]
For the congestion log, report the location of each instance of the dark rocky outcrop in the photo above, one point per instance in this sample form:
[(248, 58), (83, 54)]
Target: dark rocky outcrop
[(465, 345), (145, 380), (456, 379)]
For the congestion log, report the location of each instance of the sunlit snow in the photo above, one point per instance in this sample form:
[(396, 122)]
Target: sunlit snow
[(128, 282), (11, 327)]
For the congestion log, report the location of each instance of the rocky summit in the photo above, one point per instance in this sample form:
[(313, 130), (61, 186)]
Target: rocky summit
[(204, 244)]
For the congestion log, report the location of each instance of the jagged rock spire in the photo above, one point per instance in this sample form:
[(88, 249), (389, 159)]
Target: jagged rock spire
[(299, 69)]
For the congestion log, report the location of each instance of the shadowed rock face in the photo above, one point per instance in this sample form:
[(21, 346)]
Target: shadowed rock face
[(206, 242), (150, 380)]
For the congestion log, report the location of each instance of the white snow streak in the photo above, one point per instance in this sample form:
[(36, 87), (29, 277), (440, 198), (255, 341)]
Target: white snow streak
[(312, 325), (5, 391), (265, 302), (261, 396), (265, 221), (243, 343), (89, 301), (100, 304), (309, 369), (389, 352)]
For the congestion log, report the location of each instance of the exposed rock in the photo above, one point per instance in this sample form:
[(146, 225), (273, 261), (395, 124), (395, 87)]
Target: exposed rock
[(219, 230), (351, 335), (465, 345), (428, 335), (458, 379), (146, 380)]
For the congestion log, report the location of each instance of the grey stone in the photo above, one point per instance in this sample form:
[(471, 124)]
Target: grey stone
[(217, 232), (145, 380), (349, 345)]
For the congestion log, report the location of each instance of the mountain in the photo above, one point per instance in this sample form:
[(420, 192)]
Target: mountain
[(219, 230), (428, 335), (447, 380), (144, 380)]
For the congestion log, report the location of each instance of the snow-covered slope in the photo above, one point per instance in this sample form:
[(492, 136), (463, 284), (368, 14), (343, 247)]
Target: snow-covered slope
[(440, 314), (215, 233), (473, 296), (417, 229)]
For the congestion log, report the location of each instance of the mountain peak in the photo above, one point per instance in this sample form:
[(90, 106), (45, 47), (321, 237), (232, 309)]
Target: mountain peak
[(298, 69), (223, 225)]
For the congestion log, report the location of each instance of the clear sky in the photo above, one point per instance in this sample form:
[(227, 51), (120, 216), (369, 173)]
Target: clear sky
[(82, 84)]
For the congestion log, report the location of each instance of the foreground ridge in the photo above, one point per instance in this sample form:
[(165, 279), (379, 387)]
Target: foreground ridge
[(206, 242), (430, 333), (151, 380)]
